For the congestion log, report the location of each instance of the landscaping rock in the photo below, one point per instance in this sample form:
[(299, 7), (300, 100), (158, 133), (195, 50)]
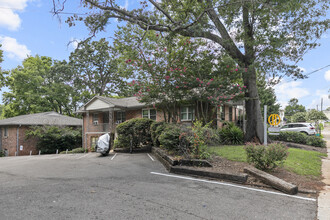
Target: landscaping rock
[(273, 181)]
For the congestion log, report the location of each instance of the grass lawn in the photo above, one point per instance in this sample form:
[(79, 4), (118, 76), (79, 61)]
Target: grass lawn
[(299, 161)]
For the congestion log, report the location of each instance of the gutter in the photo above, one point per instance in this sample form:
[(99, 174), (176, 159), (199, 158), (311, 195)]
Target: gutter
[(17, 144)]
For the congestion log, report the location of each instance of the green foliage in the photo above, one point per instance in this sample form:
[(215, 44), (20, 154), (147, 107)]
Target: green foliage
[(299, 138), (175, 66), (78, 150), (52, 138), (39, 85), (292, 108), (198, 140), (170, 137), (156, 129), (316, 141), (136, 130), (2, 153), (315, 115), (266, 157), (299, 117), (231, 134), (95, 70)]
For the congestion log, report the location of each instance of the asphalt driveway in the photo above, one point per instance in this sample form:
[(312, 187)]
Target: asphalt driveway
[(129, 186)]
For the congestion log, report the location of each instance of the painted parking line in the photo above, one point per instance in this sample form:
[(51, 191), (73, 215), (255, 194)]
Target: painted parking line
[(83, 156), (232, 185), (151, 157), (113, 156)]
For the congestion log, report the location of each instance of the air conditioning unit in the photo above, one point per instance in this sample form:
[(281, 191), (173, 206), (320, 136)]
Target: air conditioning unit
[(95, 122)]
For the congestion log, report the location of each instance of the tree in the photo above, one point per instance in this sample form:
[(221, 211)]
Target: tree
[(38, 85), (2, 78), (267, 35), (95, 69), (299, 117), (175, 71), (292, 108), (267, 96), (328, 109), (315, 115)]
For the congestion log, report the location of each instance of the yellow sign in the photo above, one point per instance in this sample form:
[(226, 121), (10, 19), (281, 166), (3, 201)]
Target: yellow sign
[(274, 119)]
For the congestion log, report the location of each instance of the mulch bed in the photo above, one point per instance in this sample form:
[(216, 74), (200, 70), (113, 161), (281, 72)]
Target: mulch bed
[(223, 165)]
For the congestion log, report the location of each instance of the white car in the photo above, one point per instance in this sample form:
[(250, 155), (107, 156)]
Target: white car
[(306, 128)]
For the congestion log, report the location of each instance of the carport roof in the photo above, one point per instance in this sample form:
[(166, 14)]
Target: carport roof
[(44, 118)]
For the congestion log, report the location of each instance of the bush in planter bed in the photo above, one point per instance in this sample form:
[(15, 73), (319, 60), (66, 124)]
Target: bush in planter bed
[(231, 134), (137, 129), (266, 157), (170, 137), (156, 130), (316, 141)]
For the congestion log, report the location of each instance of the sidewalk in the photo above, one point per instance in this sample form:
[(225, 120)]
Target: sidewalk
[(324, 196)]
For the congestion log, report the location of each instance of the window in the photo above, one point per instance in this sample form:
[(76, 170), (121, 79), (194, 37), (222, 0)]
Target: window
[(149, 113), (187, 114), (222, 113), (94, 140), (95, 118), (230, 113), (120, 117), (5, 132)]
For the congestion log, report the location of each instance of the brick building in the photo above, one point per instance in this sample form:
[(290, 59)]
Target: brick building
[(102, 114), (12, 131)]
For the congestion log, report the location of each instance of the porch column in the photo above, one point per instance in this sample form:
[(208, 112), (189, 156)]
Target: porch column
[(87, 125), (111, 118)]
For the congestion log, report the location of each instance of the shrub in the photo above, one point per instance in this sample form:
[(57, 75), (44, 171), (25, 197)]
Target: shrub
[(231, 134), (136, 130), (78, 150), (316, 141), (51, 138), (170, 137), (266, 157), (299, 138), (198, 140), (156, 129), (2, 153)]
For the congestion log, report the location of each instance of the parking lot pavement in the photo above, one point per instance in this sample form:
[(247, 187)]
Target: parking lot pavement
[(128, 186)]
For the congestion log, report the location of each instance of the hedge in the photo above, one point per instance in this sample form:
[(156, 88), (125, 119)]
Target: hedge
[(299, 138), (137, 130)]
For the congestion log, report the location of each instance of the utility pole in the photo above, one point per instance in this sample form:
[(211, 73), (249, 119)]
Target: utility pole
[(317, 107), (321, 104)]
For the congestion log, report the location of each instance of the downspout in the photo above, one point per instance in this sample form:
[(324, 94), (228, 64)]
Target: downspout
[(17, 144)]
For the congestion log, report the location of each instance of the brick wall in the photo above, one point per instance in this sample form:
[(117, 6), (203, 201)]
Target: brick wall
[(10, 142)]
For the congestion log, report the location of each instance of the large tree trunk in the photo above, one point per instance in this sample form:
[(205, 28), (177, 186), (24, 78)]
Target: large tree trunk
[(254, 125)]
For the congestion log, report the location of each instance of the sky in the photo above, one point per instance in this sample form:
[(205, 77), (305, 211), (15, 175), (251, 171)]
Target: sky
[(27, 27)]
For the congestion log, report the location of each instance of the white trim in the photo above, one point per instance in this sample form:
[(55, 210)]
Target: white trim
[(192, 113), (233, 185), (148, 109)]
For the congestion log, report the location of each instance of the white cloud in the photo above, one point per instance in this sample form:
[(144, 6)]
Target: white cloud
[(74, 43), (8, 17), (327, 75), (288, 90), (13, 49)]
